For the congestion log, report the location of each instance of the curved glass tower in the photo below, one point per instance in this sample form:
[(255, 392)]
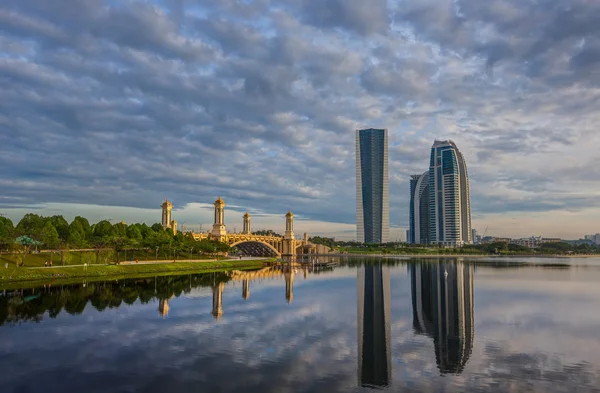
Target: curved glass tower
[(419, 209), (372, 193), (449, 199)]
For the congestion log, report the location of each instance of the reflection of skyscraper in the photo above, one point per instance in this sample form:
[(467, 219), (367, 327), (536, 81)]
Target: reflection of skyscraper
[(442, 297), (372, 194), (374, 309)]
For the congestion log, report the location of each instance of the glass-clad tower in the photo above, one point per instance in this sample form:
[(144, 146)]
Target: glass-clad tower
[(372, 193), (449, 200), (419, 209)]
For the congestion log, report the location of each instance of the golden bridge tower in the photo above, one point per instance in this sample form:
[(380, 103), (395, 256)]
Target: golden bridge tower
[(167, 206), (219, 231), (289, 242), (246, 230)]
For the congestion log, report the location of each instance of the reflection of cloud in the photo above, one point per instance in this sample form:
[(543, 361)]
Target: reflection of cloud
[(309, 345)]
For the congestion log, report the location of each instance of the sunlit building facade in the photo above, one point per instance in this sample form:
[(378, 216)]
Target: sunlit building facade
[(449, 199), (418, 232), (372, 192)]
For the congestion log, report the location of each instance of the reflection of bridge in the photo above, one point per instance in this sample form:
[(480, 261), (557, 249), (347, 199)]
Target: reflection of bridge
[(246, 277), (260, 245)]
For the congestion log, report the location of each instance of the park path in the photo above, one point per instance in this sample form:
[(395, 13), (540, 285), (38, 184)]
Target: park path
[(157, 262)]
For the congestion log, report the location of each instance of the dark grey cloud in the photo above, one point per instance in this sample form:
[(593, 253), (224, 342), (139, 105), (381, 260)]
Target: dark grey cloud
[(258, 101)]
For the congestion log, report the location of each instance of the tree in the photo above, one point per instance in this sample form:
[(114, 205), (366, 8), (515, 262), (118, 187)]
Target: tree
[(103, 229), (61, 225), (157, 228), (22, 245), (75, 238), (50, 235), (134, 233), (120, 229), (85, 226), (31, 225), (7, 232)]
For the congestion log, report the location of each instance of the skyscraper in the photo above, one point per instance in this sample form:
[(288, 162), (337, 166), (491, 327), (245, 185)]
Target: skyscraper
[(449, 200), (419, 209), (372, 193), (442, 298), (374, 326)]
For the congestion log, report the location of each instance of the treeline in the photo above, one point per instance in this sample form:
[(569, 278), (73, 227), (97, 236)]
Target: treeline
[(30, 305), (490, 248), (545, 248), (55, 233)]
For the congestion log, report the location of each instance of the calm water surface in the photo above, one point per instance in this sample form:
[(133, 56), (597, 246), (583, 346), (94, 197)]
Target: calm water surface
[(411, 326)]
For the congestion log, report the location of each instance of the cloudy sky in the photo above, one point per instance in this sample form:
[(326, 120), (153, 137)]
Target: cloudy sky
[(108, 106)]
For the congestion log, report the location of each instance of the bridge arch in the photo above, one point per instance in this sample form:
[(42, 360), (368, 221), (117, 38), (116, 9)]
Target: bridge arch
[(256, 248)]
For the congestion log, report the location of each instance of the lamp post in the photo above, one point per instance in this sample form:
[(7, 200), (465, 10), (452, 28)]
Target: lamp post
[(191, 253), (156, 258)]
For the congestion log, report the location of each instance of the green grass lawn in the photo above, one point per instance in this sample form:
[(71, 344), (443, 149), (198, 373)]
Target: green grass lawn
[(14, 273), (89, 257)]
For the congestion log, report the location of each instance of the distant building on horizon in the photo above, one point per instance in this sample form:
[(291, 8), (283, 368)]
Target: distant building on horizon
[(419, 209), (449, 199), (594, 238), (372, 192)]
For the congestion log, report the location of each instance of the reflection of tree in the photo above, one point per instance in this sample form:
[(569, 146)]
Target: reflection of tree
[(29, 305)]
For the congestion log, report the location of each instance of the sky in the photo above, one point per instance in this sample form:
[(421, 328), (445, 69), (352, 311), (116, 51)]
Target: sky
[(107, 107)]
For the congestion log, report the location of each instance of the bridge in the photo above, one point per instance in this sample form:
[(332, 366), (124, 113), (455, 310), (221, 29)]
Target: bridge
[(260, 245)]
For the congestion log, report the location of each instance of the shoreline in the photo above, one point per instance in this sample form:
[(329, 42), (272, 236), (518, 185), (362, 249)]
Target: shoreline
[(128, 270), (462, 255)]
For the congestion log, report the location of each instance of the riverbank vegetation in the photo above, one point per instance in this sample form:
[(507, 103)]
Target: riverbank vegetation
[(19, 305), (80, 242), (496, 248)]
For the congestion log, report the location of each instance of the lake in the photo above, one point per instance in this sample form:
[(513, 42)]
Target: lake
[(419, 325)]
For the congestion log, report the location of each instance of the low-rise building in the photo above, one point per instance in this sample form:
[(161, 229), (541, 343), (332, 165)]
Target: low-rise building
[(551, 240), (529, 242)]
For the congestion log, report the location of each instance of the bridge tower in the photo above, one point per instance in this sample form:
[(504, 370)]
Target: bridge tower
[(246, 230), (219, 231), (167, 206), (289, 242)]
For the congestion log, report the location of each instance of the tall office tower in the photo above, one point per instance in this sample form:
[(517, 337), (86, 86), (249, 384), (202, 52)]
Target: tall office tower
[(374, 326), (449, 200), (372, 193), (419, 209), (442, 299)]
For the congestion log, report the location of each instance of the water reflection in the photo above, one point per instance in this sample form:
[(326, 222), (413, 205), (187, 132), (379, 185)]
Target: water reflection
[(442, 299), (374, 336)]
